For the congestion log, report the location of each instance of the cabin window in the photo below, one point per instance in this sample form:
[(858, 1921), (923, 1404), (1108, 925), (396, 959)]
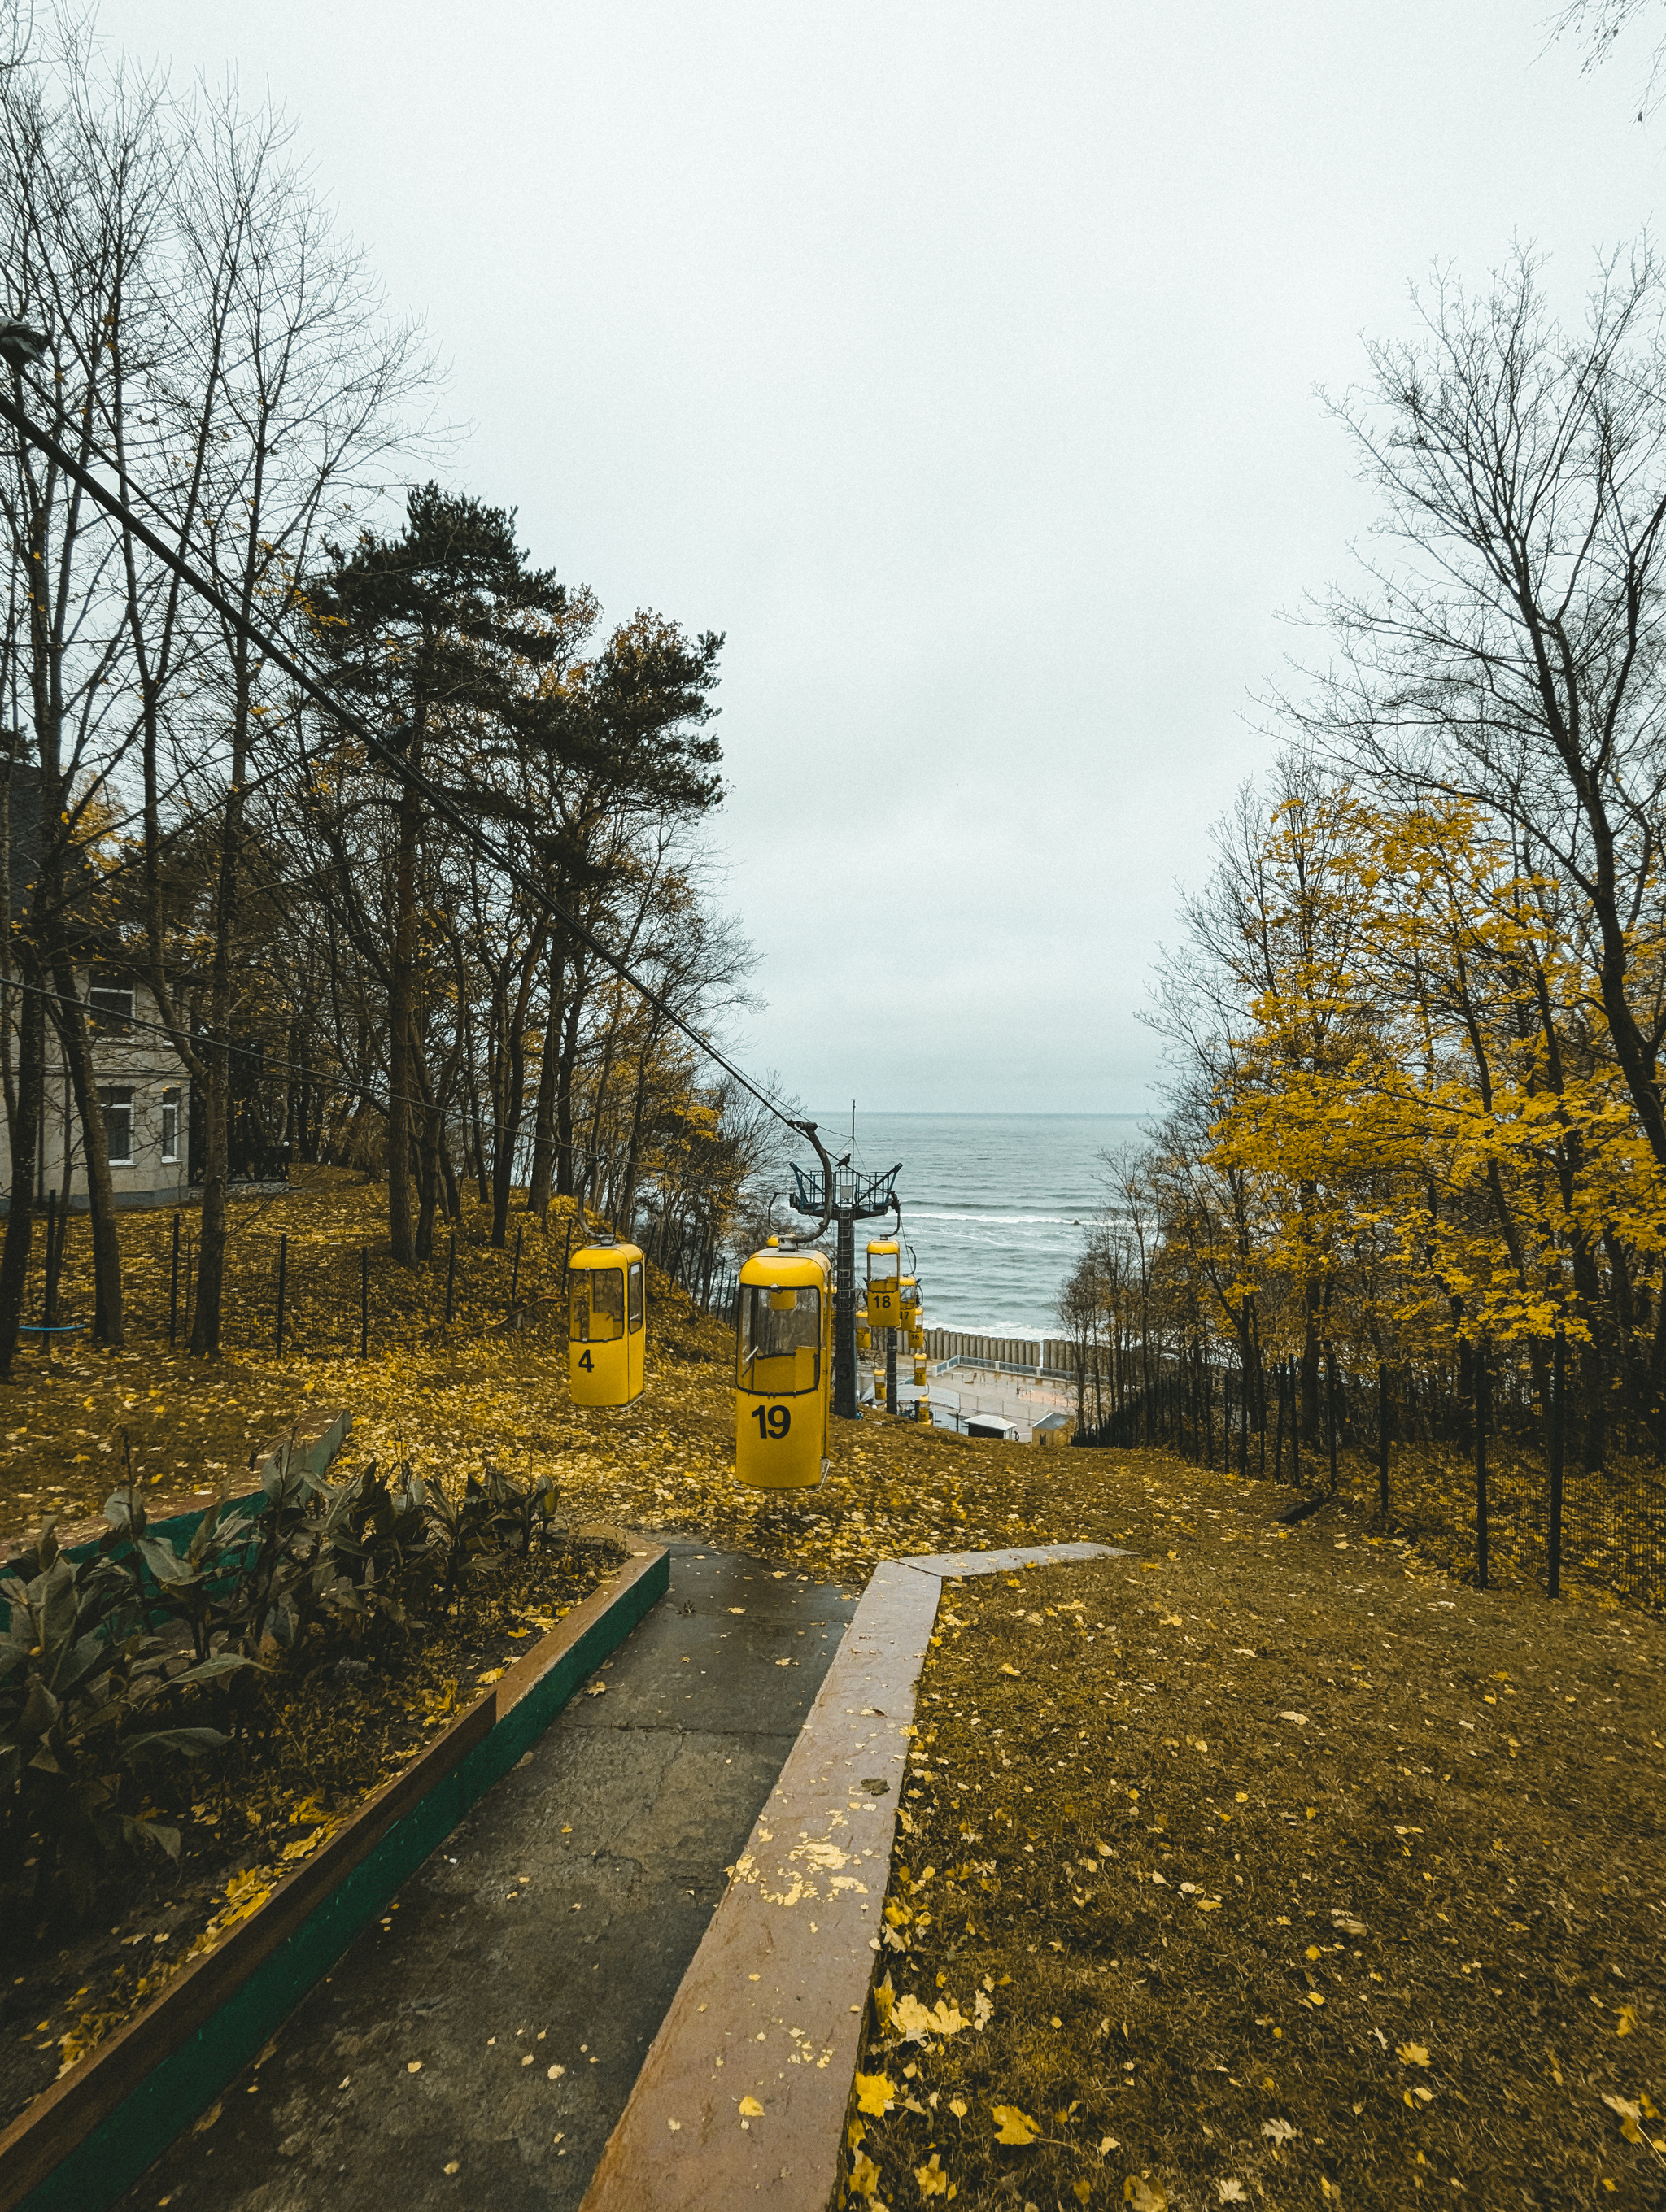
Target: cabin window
[(597, 1310), (117, 1104), (634, 1283), (780, 1337), (112, 1009), (170, 1126)]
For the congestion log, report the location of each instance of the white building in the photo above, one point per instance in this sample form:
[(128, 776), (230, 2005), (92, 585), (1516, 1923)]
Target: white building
[(145, 1093)]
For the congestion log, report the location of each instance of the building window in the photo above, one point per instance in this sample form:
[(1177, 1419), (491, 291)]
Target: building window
[(112, 1009), (170, 1126), (117, 1104)]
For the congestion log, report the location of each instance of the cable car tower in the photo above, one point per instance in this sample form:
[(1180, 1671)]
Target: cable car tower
[(855, 1197)]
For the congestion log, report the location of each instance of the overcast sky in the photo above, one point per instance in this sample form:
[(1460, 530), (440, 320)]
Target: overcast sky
[(959, 363)]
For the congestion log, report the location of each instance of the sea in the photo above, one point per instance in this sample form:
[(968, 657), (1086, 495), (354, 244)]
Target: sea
[(996, 1206)]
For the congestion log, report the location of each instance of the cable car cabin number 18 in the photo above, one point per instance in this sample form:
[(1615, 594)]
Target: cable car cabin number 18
[(784, 1370), (605, 1331)]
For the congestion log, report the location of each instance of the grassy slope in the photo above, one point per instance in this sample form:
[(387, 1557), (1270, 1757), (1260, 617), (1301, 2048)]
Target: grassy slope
[(1396, 1950)]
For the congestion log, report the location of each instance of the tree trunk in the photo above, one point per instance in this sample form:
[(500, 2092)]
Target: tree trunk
[(544, 1119), (25, 1143), (401, 1027), (72, 1026), (566, 1173)]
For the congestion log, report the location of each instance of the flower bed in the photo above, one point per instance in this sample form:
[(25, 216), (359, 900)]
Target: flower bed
[(290, 1716)]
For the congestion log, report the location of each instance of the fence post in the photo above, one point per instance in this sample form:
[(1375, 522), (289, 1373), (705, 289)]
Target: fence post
[(174, 1287), (1330, 1411), (1483, 1392), (191, 1257), (1225, 1421), (1278, 1417), (1295, 1422), (1558, 1365), (364, 1300), (1383, 1440), (49, 1286), (282, 1280), (451, 1273), (514, 1273)]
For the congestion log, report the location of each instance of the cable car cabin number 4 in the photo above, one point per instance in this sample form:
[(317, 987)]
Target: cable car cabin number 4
[(606, 1332), (784, 1370)]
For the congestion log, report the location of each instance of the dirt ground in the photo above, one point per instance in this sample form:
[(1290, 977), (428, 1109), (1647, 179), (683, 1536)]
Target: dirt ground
[(1283, 1871)]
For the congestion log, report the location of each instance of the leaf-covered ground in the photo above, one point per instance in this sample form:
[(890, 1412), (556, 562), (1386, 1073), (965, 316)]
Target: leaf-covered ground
[(1245, 2029), (1282, 1871)]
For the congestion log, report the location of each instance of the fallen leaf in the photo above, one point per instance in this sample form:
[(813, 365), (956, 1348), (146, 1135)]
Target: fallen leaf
[(874, 2095), (1014, 2127), (1145, 2196), (1630, 2115), (750, 2109), (491, 1675), (1109, 2143), (1412, 2054), (1628, 2020), (1231, 2192), (595, 1689), (932, 2181), (1005, 1669), (1277, 2131), (1300, 1719), (910, 2020), (958, 2107), (413, 2066), (864, 2175)]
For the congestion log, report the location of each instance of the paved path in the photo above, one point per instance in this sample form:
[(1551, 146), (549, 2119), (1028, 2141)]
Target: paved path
[(552, 1926)]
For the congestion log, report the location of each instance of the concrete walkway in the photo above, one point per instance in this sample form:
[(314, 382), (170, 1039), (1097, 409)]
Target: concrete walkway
[(477, 2048)]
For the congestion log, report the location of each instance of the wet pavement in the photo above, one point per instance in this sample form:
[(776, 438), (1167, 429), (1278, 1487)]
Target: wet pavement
[(476, 2048)]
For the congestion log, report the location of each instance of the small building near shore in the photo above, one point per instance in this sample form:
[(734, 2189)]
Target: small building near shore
[(1053, 1429)]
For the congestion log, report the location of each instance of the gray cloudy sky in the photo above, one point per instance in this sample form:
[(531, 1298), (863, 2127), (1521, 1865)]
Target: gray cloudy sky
[(958, 361)]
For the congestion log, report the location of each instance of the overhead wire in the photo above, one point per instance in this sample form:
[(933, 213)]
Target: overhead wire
[(388, 756)]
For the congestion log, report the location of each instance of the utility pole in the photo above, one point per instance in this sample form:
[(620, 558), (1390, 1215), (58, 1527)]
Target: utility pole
[(854, 1198)]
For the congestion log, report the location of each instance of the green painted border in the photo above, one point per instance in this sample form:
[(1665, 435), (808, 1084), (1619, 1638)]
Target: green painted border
[(109, 2160)]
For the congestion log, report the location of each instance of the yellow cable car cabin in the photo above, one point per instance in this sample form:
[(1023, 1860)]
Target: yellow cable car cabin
[(606, 1331), (885, 1287), (784, 1369)]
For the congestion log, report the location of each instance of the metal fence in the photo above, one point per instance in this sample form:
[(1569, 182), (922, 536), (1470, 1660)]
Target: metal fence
[(1505, 1457)]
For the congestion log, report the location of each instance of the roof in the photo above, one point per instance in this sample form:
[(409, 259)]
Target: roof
[(604, 1255), (775, 1265)]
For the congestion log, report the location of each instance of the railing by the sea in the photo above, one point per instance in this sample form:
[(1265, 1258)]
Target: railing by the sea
[(1021, 1355)]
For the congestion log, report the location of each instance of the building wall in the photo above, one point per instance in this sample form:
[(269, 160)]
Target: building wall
[(141, 1062)]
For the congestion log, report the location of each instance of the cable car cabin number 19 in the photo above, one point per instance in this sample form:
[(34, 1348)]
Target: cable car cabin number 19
[(606, 1325), (784, 1370)]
